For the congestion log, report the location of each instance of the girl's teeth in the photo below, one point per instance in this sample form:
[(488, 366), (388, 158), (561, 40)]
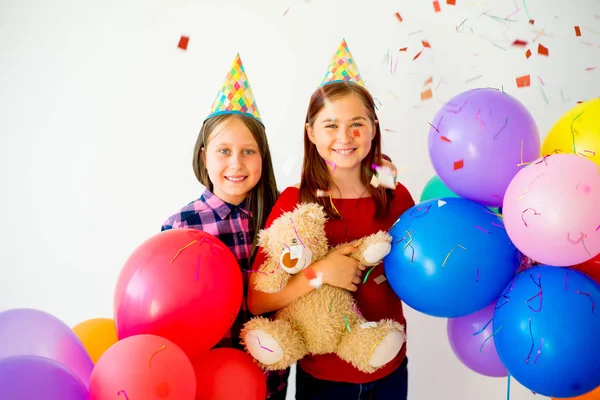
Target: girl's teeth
[(345, 151)]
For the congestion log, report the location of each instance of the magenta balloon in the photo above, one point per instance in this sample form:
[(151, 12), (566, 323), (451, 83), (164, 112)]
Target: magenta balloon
[(468, 344), (475, 143), (38, 378), (29, 332)]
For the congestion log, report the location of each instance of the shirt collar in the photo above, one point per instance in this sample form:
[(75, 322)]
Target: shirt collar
[(222, 208)]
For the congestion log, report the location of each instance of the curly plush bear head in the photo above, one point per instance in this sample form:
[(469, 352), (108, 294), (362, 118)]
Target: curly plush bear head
[(294, 241)]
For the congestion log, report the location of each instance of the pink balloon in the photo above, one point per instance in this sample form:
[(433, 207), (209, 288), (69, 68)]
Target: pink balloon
[(551, 210)]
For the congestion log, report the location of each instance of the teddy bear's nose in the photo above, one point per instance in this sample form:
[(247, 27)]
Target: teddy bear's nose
[(288, 261)]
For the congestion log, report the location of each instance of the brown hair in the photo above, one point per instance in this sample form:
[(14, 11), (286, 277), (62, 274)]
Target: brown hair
[(262, 197), (315, 174)]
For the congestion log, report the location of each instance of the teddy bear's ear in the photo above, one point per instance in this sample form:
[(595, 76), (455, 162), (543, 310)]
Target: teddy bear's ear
[(263, 239), (315, 212)]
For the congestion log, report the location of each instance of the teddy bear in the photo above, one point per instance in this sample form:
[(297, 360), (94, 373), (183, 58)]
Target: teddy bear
[(325, 320)]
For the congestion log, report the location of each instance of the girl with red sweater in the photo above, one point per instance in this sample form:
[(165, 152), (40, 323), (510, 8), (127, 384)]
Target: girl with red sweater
[(342, 140)]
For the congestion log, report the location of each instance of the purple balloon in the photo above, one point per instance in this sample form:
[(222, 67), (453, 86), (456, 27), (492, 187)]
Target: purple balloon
[(467, 336), (38, 378), (476, 143), (29, 332)]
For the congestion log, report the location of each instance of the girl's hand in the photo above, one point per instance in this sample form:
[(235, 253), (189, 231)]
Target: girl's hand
[(341, 270)]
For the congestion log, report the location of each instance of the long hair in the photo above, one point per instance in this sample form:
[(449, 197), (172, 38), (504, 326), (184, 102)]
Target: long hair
[(315, 174), (262, 197)]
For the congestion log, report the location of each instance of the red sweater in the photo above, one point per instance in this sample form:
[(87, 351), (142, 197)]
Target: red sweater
[(375, 301)]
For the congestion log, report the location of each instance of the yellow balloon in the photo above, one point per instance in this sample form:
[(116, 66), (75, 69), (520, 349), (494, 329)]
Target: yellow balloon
[(593, 395), (97, 335), (577, 131)]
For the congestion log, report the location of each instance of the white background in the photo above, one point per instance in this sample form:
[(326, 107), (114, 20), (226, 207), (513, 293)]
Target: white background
[(99, 111)]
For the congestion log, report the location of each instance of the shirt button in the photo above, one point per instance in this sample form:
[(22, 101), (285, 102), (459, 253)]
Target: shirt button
[(241, 235)]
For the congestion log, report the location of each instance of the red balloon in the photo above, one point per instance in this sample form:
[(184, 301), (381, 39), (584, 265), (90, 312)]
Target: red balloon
[(143, 367), (181, 284), (591, 268), (225, 373)]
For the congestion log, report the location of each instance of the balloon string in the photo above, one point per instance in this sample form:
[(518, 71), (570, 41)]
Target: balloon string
[(181, 249), (508, 388), (124, 394)]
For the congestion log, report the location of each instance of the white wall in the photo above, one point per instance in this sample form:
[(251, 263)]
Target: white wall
[(99, 112)]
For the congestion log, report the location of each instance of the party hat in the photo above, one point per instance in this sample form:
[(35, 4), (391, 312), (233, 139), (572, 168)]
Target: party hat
[(235, 96), (342, 67)]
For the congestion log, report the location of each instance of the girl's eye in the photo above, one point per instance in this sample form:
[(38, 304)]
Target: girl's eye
[(330, 126), (224, 151), (356, 125), (249, 152)]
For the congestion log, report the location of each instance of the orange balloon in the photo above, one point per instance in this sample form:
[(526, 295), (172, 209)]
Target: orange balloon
[(97, 335), (593, 395)]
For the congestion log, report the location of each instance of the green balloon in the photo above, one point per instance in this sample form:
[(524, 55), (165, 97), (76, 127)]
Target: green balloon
[(436, 189)]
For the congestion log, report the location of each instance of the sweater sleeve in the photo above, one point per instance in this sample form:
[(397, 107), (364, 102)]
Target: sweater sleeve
[(286, 202)]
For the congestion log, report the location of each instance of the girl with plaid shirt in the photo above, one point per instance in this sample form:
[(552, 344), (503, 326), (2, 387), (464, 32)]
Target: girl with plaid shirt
[(232, 161)]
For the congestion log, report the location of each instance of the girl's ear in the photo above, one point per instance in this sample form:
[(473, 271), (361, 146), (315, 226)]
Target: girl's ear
[(309, 131)]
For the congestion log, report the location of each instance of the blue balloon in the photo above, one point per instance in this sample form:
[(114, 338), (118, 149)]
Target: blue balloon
[(450, 257), (547, 331)]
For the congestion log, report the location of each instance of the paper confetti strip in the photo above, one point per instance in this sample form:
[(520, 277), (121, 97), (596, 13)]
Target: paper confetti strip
[(542, 50), (398, 17), (577, 31), (451, 2), (528, 53), (426, 95), (436, 6), (183, 42), (523, 81)]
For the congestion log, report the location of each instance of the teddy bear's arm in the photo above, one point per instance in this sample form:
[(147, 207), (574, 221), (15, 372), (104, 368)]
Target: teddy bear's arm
[(270, 278), (371, 249)]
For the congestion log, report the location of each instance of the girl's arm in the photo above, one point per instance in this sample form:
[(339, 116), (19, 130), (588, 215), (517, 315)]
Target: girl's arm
[(337, 269)]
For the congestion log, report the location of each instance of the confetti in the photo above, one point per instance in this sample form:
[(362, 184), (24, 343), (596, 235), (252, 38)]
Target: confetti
[(183, 42), (398, 17), (451, 2), (590, 68), (544, 95), (347, 324), (523, 81), (403, 49), (577, 31), (542, 50), (501, 129), (445, 139), (459, 164), (417, 55), (428, 81), (473, 79), (426, 44), (332, 164), (523, 215), (528, 53), (415, 32), (461, 24), (426, 95), (448, 255), (436, 6), (519, 43), (286, 11), (123, 393), (498, 46), (526, 10), (532, 21), (180, 250), (150, 359)]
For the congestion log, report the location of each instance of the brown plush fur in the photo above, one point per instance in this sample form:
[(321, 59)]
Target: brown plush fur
[(325, 320)]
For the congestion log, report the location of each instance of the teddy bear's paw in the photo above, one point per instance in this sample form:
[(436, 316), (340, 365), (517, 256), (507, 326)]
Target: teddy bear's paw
[(263, 347), (376, 252), (387, 349)]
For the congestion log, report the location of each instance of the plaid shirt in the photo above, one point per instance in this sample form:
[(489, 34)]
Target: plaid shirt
[(231, 225)]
